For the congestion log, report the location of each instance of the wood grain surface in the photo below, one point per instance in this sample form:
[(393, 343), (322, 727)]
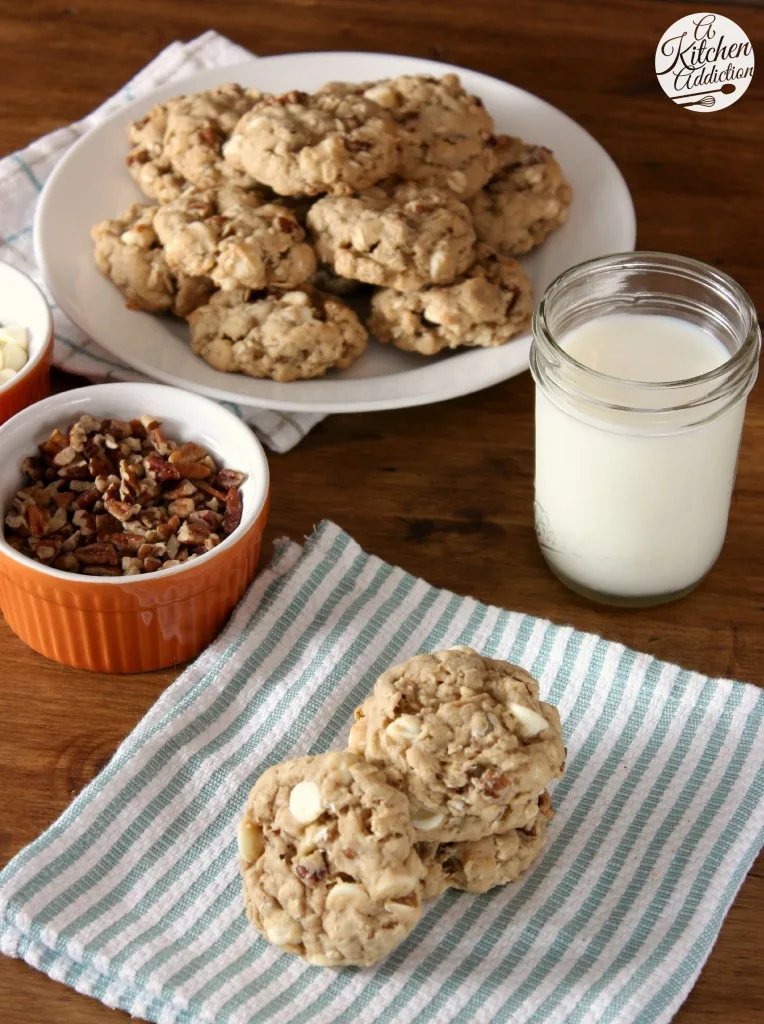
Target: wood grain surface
[(445, 491)]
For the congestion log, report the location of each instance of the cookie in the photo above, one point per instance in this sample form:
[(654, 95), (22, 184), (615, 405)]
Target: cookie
[(180, 142), (147, 161), (301, 144), (197, 127), (525, 201), (466, 738), (447, 134), (129, 253), (488, 305), (483, 864), (327, 860), (404, 240), (229, 236), (284, 336)]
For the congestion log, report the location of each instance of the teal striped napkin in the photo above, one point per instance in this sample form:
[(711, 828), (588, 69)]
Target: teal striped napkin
[(133, 895)]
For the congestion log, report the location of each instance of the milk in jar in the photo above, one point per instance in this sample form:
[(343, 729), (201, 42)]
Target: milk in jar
[(638, 425)]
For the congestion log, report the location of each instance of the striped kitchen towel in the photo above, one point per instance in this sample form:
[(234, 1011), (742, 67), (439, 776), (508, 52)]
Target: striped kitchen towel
[(133, 895), (22, 176)]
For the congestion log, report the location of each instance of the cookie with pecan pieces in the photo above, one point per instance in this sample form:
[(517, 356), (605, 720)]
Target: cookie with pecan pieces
[(301, 144), (230, 236), (285, 336), (466, 738), (327, 859), (525, 201), (489, 305), (128, 251)]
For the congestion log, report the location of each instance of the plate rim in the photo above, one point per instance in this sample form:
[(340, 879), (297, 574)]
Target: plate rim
[(423, 397)]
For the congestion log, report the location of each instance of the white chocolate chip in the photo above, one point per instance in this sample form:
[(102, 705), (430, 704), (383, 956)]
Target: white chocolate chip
[(344, 895), (429, 821), (14, 356), (250, 839), (305, 802), (531, 722), (404, 729), (437, 264), (281, 930), (15, 333)]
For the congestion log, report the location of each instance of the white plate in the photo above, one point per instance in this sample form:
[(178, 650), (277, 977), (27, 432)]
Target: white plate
[(92, 183)]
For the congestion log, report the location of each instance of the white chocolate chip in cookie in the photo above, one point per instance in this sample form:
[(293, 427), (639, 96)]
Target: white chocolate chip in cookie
[(345, 895), (250, 841), (305, 802), (280, 929), (429, 821), (531, 722), (404, 729)]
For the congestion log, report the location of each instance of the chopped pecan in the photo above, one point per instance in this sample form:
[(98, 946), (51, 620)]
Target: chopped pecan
[(97, 554), (168, 503), (38, 519), (233, 510), (181, 507), (161, 468), (87, 498), (493, 783), (229, 478)]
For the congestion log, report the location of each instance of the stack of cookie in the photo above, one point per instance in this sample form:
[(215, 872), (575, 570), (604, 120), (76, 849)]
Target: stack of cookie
[(443, 785), (267, 208)]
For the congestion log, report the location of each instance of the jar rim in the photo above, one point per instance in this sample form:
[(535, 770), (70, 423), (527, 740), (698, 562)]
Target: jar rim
[(653, 260)]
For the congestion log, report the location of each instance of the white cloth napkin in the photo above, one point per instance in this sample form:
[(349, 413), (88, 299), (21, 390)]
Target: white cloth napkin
[(133, 895), (22, 176)]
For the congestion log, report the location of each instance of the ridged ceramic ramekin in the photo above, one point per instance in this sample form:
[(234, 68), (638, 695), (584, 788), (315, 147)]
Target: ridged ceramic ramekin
[(22, 302), (133, 623)]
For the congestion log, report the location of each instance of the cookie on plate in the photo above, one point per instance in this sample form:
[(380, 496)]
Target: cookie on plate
[(447, 134), (327, 860), (302, 144), (488, 305), (482, 864), (147, 161), (466, 738), (231, 237), (404, 239), (128, 251), (180, 142), (284, 336), (525, 201)]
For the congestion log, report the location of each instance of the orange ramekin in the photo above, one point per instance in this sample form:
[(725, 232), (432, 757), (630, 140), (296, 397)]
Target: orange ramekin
[(133, 623), (22, 302)]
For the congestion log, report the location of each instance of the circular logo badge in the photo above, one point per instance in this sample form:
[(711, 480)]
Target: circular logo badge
[(704, 62)]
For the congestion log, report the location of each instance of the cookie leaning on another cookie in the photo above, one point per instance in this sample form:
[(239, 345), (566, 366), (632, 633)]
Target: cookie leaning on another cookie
[(447, 134), (284, 336), (180, 142), (466, 738), (327, 860), (525, 201), (302, 144), (404, 239), (229, 235), (128, 251), (483, 864), (489, 305)]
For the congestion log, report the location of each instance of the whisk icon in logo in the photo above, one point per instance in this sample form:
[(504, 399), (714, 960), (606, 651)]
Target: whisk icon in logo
[(704, 62)]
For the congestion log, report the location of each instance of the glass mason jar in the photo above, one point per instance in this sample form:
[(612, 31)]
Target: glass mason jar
[(634, 480)]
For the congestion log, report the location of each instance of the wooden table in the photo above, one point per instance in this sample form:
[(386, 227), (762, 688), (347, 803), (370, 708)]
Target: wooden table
[(446, 490)]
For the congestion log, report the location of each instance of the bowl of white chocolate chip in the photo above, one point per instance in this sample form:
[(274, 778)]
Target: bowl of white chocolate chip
[(26, 342), (443, 786)]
